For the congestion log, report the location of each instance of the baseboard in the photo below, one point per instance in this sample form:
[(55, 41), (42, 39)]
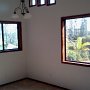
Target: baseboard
[(48, 83), (34, 80), (14, 81)]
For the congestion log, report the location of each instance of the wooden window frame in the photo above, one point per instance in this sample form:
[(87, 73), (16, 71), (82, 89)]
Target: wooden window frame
[(19, 33), (63, 40)]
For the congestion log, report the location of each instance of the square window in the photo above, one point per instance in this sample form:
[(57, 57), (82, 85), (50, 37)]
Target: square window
[(75, 39), (32, 3), (41, 2), (51, 2), (10, 36)]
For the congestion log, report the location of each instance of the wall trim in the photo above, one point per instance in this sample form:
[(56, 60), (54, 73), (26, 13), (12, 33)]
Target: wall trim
[(33, 80), (48, 83)]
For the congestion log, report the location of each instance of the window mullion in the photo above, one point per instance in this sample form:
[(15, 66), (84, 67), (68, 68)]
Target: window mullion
[(2, 35)]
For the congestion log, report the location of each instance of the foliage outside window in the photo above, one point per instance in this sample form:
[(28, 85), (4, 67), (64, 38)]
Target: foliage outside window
[(75, 39), (10, 36), (41, 2)]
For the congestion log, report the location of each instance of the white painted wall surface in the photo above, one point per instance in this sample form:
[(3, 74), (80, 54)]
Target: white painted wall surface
[(44, 46), (12, 64)]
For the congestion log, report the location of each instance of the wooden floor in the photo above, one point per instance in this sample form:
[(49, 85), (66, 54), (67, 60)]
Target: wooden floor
[(28, 84)]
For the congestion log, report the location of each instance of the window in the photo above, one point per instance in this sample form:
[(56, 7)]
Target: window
[(75, 39), (10, 36), (41, 2), (51, 2), (32, 3)]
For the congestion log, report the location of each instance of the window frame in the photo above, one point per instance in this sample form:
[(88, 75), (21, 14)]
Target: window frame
[(19, 35), (39, 4), (63, 40), (48, 3), (30, 5)]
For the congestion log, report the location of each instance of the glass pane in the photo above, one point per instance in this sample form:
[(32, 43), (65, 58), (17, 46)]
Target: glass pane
[(33, 2), (52, 1), (78, 39), (1, 43), (42, 2), (10, 36)]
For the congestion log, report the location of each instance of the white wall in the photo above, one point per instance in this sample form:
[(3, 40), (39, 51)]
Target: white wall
[(12, 64), (44, 56), (43, 41)]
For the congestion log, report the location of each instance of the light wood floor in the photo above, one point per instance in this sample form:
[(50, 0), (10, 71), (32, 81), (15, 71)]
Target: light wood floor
[(28, 84)]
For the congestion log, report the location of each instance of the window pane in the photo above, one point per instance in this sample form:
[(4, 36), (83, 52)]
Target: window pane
[(78, 39), (52, 1), (42, 2), (10, 36), (33, 2), (1, 43)]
